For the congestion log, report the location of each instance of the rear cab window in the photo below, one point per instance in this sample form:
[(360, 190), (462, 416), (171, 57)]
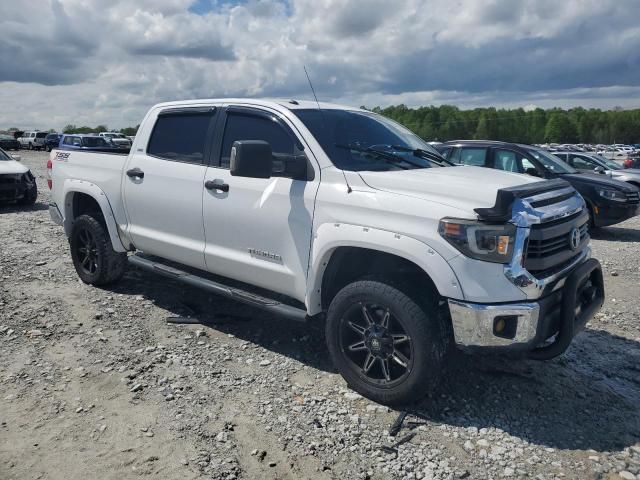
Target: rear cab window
[(182, 135)]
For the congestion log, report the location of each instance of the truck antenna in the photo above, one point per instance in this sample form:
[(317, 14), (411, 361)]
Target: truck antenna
[(349, 190), (312, 89)]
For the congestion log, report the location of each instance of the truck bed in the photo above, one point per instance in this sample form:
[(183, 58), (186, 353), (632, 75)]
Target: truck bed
[(101, 169)]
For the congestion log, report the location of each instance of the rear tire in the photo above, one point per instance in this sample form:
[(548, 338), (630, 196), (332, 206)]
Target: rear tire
[(396, 365), (93, 256)]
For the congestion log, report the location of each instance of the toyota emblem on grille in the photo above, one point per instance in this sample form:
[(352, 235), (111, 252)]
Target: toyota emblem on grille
[(574, 238)]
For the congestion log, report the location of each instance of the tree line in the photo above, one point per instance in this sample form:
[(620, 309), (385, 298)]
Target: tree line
[(576, 125), (128, 131)]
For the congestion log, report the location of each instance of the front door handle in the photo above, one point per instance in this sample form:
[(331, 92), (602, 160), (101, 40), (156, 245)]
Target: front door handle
[(211, 185), (135, 173)]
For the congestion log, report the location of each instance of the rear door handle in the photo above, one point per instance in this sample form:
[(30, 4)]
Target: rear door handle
[(212, 185), (135, 172)]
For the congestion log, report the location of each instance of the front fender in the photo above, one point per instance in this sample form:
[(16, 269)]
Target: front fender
[(329, 237), (70, 188)]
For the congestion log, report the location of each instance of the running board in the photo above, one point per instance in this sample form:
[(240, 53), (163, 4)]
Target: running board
[(270, 305)]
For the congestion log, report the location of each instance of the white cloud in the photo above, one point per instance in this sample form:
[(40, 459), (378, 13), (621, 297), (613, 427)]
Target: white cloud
[(90, 62)]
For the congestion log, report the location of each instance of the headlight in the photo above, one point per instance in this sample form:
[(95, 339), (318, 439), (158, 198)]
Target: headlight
[(490, 243), (615, 195)]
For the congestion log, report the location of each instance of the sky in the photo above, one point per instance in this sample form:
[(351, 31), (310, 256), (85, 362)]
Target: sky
[(90, 62)]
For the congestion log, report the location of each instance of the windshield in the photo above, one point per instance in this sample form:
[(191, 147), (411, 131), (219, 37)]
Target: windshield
[(93, 142), (551, 162), (4, 155), (354, 140)]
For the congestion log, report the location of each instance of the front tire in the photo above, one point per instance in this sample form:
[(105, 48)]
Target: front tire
[(30, 197), (387, 346), (93, 256)]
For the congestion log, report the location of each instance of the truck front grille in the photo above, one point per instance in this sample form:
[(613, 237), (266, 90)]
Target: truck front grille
[(554, 244)]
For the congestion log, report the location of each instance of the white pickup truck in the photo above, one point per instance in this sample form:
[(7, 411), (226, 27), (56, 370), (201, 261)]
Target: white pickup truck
[(318, 212)]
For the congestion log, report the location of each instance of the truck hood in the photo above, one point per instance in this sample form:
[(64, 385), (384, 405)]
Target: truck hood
[(465, 188), (11, 166)]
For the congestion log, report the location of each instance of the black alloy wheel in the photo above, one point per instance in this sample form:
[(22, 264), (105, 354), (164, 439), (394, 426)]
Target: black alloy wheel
[(387, 339), (87, 251), (93, 256), (376, 343)]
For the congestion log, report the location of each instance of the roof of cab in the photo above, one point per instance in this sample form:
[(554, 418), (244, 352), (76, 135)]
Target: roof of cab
[(290, 104)]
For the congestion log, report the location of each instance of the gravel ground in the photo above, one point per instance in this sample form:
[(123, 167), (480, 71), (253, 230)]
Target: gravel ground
[(95, 384)]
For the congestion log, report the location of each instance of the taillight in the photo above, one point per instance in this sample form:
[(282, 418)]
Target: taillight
[(49, 179)]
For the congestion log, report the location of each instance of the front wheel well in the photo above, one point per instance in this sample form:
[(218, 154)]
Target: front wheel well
[(348, 264)]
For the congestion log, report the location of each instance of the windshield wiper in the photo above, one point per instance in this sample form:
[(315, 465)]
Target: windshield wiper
[(390, 157), (426, 154)]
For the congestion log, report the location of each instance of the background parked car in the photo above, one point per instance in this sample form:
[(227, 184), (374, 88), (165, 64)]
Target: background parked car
[(7, 142), (609, 200), (91, 143), (594, 163), (17, 184), (633, 162), (116, 138), (33, 140), (52, 141)]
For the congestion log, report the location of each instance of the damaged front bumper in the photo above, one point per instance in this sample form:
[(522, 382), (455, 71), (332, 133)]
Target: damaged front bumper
[(525, 327), (15, 186)]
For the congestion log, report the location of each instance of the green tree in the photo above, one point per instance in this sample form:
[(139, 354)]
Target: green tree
[(130, 131)]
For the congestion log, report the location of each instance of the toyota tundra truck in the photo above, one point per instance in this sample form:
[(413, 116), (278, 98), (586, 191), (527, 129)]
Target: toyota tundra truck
[(318, 212)]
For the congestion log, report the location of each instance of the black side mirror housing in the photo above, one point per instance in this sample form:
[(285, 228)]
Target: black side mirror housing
[(251, 158), (532, 171), (295, 167)]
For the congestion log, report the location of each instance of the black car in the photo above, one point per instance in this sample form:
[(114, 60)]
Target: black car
[(609, 201), (17, 183), (52, 141), (7, 142)]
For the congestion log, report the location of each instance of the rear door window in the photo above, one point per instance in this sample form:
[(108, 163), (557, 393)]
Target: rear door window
[(181, 136), (476, 157)]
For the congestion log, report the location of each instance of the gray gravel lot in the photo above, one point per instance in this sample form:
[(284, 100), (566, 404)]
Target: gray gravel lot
[(95, 384)]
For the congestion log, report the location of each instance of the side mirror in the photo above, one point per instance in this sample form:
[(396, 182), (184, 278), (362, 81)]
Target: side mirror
[(17, 158), (251, 158), (532, 171), (295, 167), (599, 169)]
